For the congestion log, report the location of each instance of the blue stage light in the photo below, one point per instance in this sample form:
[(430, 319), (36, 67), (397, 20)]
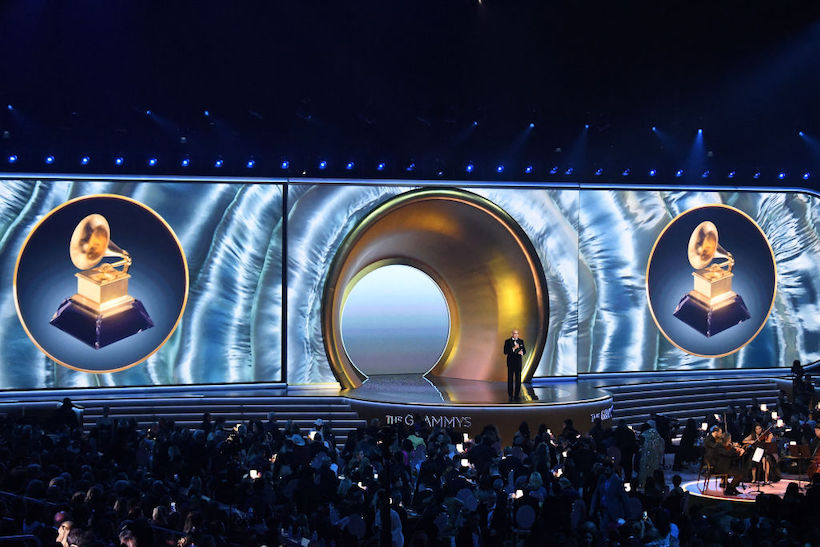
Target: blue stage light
[(625, 173), (654, 128), (679, 173), (13, 158), (700, 131), (206, 113), (411, 167), (781, 175), (569, 171), (586, 126), (599, 172), (285, 164), (732, 174), (9, 107), (350, 165), (800, 133), (322, 164), (806, 175), (218, 163), (705, 174), (756, 175), (251, 164), (49, 160), (469, 168), (500, 169), (528, 169), (152, 162), (380, 167), (532, 125), (652, 172), (185, 162), (147, 112), (475, 124), (554, 170), (85, 160), (118, 161)]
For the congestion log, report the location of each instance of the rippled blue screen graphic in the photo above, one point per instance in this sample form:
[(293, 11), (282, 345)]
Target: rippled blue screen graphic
[(231, 329), (594, 245)]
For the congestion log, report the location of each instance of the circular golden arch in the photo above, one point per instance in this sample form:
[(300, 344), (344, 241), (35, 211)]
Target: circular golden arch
[(484, 263)]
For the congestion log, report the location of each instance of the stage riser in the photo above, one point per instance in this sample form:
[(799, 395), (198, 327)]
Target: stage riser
[(188, 411), (471, 419), (749, 392), (712, 402), (692, 398), (629, 384)]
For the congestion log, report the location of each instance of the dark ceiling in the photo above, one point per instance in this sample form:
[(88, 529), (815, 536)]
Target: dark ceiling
[(434, 84)]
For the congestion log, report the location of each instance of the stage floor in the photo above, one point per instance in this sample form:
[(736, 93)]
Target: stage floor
[(415, 389), (747, 495)]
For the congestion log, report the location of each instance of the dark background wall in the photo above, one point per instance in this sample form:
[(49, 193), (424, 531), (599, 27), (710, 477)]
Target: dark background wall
[(405, 83)]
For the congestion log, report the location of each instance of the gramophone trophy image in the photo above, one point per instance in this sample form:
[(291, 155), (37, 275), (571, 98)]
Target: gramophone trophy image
[(106, 307), (705, 300), (711, 306), (101, 312)]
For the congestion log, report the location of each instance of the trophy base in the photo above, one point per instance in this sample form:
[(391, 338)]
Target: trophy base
[(710, 320), (99, 329)]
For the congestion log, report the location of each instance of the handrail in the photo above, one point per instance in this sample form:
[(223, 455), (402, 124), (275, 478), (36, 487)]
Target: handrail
[(812, 365), (20, 537), (26, 498)]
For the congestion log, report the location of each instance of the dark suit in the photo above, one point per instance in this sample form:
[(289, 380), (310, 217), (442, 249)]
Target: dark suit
[(514, 366), (720, 457)]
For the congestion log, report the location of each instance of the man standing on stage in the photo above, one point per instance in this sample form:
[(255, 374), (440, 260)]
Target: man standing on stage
[(514, 349)]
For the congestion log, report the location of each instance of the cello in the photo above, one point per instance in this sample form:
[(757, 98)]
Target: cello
[(814, 462)]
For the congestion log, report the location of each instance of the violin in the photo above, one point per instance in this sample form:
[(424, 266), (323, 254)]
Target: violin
[(726, 440), (764, 437)]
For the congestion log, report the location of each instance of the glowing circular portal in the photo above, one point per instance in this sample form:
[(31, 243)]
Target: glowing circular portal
[(395, 321)]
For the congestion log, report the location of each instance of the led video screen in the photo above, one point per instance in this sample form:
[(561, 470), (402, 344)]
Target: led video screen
[(466, 254), (608, 311), (153, 282), (129, 283), (638, 275)]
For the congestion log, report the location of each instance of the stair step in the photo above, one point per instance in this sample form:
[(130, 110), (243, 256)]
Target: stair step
[(634, 402), (677, 400), (735, 383), (745, 391), (218, 411)]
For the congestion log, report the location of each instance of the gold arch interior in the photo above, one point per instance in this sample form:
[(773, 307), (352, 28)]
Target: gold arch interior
[(490, 274)]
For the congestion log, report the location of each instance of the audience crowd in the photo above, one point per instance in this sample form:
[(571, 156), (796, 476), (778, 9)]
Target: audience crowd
[(267, 483)]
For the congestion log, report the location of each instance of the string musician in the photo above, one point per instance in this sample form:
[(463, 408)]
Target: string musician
[(719, 452), (759, 438)]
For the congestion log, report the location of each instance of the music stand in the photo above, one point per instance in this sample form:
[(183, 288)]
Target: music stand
[(799, 452), (757, 457)]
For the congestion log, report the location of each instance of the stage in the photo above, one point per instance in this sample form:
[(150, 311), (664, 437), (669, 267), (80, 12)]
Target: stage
[(468, 405), (747, 495)]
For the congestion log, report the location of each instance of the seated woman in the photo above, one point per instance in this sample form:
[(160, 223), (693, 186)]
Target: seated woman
[(767, 466)]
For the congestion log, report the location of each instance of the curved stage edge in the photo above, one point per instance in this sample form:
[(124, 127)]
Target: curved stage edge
[(467, 406), (714, 493)]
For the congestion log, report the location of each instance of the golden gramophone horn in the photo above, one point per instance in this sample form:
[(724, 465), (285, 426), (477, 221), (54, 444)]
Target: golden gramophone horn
[(91, 242), (704, 247)]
